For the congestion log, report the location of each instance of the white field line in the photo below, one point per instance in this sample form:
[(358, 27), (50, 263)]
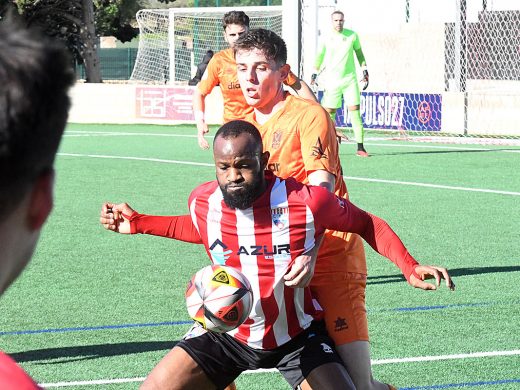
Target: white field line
[(136, 159), (122, 134), (75, 133), (408, 183), (417, 359), (346, 177)]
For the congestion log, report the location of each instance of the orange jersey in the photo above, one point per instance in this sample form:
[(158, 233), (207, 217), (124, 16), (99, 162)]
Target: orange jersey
[(301, 139), (222, 70)]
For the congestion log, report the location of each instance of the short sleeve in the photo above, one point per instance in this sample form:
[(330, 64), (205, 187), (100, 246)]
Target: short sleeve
[(210, 78), (319, 145)]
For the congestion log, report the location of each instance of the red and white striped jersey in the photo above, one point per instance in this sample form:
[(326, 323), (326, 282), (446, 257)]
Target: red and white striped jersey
[(264, 240)]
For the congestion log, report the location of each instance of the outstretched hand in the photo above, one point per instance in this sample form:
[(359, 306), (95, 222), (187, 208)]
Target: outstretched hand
[(341, 136), (202, 129), (115, 217), (428, 272), (302, 271)]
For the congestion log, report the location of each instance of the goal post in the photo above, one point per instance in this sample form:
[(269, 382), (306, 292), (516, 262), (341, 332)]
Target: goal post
[(173, 41), (437, 68)]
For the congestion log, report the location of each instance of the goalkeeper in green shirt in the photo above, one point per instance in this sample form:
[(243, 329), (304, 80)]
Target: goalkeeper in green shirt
[(335, 63)]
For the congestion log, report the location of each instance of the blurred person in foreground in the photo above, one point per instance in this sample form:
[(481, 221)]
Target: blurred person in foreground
[(35, 75)]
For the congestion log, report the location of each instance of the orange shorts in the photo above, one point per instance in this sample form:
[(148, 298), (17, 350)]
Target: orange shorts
[(342, 296)]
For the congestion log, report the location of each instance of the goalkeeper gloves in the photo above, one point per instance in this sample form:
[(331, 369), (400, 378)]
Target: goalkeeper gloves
[(365, 79)]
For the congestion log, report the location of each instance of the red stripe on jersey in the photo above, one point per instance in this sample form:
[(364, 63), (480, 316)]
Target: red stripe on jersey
[(266, 273), (202, 207)]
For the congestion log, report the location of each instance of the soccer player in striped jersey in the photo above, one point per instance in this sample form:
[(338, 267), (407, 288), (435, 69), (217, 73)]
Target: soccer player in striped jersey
[(300, 137), (35, 75), (335, 63), (254, 221), (221, 71)]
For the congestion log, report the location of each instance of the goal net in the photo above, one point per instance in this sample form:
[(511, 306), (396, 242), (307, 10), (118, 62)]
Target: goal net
[(173, 41), (437, 68)]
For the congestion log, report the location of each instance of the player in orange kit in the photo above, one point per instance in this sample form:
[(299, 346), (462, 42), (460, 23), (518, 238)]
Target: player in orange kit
[(221, 71), (301, 139)]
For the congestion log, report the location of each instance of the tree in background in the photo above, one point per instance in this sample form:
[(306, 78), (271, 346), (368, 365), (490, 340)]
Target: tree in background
[(80, 23)]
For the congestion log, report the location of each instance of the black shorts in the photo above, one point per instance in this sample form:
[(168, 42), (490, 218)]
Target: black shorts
[(223, 358)]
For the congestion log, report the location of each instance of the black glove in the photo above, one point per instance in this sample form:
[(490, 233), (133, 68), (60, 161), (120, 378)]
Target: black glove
[(365, 79)]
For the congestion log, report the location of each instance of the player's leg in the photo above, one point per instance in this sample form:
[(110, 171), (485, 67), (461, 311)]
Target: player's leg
[(327, 376), (201, 360), (331, 101), (177, 370), (356, 356), (351, 95), (347, 323), (310, 361)]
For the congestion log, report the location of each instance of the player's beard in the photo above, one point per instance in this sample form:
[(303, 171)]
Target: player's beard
[(243, 198)]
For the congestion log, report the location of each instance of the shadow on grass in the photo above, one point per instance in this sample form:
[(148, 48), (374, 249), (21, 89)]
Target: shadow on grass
[(454, 273), (88, 352)]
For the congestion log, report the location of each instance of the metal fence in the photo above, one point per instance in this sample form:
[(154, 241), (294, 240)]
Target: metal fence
[(116, 64)]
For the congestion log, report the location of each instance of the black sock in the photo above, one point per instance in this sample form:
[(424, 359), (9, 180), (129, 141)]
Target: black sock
[(361, 147)]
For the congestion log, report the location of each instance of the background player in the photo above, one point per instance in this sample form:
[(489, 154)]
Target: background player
[(237, 209), (221, 71), (301, 140), (35, 75), (335, 62)]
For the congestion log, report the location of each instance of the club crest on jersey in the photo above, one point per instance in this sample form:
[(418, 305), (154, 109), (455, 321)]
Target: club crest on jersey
[(280, 217), (277, 139)]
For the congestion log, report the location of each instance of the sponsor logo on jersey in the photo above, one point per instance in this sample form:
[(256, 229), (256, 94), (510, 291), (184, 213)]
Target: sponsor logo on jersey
[(220, 252), (317, 149), (273, 167), (233, 85), (280, 217), (277, 139)]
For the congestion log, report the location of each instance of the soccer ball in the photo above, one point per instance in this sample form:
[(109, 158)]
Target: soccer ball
[(219, 298)]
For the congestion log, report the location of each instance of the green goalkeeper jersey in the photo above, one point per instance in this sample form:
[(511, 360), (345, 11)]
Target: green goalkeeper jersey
[(335, 57)]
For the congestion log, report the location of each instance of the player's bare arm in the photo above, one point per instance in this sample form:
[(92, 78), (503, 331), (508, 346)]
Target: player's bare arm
[(199, 109), (301, 88), (322, 178)]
